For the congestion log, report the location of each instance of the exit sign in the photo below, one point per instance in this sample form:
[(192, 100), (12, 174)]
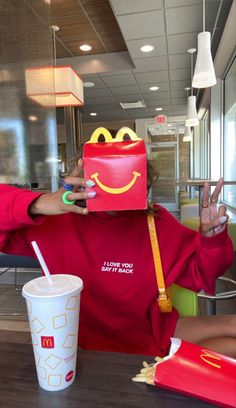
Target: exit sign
[(161, 119)]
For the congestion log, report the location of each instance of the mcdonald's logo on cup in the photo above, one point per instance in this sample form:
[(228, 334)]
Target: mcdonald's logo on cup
[(119, 169), (47, 341)]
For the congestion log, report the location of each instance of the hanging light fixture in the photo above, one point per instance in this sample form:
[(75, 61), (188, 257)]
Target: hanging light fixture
[(56, 85), (187, 134), (204, 73), (192, 118)]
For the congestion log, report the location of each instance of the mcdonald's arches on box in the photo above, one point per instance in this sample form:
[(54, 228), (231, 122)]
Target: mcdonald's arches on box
[(119, 169)]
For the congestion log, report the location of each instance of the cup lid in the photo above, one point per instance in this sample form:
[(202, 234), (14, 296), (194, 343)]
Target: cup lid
[(62, 285)]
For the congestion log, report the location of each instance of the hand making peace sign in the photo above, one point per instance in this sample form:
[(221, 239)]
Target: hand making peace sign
[(213, 219)]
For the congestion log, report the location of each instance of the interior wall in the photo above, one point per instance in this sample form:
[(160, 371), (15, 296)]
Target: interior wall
[(28, 139)]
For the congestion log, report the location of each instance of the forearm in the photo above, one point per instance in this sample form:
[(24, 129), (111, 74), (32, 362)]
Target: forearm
[(210, 259)]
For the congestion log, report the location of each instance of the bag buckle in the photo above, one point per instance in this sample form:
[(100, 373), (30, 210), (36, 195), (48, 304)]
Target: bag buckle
[(164, 301)]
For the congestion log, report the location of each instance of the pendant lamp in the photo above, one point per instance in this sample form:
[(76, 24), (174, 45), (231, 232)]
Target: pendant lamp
[(204, 73), (192, 117), (187, 134), (54, 85)]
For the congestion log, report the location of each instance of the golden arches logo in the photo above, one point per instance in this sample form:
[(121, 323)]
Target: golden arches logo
[(108, 137), (47, 341), (116, 190), (206, 356)]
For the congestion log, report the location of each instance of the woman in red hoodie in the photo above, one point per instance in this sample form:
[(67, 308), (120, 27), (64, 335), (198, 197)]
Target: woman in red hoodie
[(112, 254)]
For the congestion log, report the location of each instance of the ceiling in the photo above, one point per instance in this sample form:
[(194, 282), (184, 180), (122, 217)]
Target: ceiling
[(116, 30)]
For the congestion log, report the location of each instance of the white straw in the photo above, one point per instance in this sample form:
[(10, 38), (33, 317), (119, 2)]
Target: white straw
[(42, 262)]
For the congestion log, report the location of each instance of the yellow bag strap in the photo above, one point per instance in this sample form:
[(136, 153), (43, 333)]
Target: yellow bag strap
[(164, 297)]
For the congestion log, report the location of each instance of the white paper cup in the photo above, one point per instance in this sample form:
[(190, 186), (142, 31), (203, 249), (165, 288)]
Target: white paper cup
[(53, 311)]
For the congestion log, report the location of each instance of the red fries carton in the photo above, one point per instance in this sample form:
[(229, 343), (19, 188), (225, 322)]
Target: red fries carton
[(119, 169), (199, 372)]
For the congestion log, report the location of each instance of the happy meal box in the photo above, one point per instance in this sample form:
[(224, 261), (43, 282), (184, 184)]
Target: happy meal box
[(119, 169), (193, 370)]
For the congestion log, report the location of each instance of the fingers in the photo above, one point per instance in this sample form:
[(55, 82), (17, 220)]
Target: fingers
[(76, 182), (215, 195), (82, 195), (75, 186), (77, 170), (205, 194), (79, 210), (217, 224), (222, 211)]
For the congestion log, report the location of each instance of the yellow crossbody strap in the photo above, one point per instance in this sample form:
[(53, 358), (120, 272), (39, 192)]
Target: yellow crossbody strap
[(164, 296)]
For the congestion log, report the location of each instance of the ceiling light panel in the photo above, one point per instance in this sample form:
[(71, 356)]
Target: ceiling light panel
[(150, 64), (142, 25), (125, 7)]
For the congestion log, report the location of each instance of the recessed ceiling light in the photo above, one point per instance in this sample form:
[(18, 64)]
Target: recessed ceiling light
[(88, 84), (32, 118), (154, 88), (159, 109), (93, 114), (192, 50), (147, 48), (85, 47), (169, 125)]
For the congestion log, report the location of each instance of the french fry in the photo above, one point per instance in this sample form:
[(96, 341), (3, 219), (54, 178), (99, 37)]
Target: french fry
[(147, 373)]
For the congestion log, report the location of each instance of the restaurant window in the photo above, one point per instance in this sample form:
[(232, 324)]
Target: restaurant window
[(204, 146), (229, 140)]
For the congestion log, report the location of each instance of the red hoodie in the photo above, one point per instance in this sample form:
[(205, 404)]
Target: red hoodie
[(112, 254)]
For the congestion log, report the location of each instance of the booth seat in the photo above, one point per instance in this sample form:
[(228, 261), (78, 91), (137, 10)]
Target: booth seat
[(8, 262), (185, 201)]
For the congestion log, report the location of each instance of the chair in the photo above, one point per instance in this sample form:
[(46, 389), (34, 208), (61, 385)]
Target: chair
[(185, 201), (184, 300), (193, 223), (9, 261)]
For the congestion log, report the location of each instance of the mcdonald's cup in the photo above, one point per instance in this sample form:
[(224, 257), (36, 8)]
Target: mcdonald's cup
[(53, 311)]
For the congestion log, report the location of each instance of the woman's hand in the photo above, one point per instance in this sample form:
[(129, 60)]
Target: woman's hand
[(213, 220), (52, 203)]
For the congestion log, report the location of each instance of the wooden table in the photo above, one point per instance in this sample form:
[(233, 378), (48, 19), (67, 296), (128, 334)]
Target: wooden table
[(103, 381)]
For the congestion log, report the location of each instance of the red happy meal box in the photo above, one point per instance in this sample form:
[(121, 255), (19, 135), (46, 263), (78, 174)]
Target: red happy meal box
[(199, 372), (119, 170)]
